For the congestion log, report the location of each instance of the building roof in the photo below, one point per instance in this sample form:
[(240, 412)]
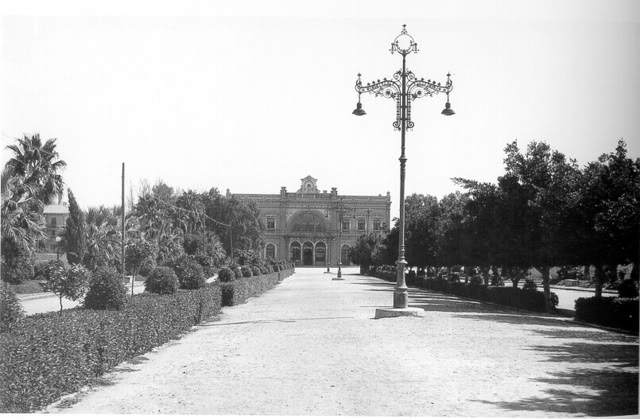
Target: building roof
[(55, 209)]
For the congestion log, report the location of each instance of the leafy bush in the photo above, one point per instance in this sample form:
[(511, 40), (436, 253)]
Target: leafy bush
[(246, 272), (255, 270), (18, 268), (106, 290), (10, 309), (190, 275), (226, 275), (39, 271), (162, 280), (628, 289), (207, 263), (529, 285), (47, 356), (621, 313), (67, 283), (237, 272), (553, 300), (147, 266)]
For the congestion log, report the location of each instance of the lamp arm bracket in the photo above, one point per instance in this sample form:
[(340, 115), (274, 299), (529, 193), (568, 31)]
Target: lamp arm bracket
[(385, 88), (421, 88)]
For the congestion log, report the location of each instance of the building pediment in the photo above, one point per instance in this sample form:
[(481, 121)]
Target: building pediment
[(308, 185)]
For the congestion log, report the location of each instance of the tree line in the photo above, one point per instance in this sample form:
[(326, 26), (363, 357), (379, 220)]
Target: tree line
[(544, 211), (161, 224)]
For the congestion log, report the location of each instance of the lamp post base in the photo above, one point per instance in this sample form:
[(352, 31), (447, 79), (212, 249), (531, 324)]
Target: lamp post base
[(400, 298), (398, 312)]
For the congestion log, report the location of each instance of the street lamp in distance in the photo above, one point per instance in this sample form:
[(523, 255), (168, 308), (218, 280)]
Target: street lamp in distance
[(58, 240)]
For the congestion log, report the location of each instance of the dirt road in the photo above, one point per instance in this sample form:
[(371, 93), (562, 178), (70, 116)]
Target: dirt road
[(311, 347)]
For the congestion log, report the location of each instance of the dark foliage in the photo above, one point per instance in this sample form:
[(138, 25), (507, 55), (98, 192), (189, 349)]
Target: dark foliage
[(628, 289), (246, 272), (225, 275), (162, 280), (190, 274), (47, 356), (621, 313), (106, 290), (239, 291), (17, 266), (10, 309)]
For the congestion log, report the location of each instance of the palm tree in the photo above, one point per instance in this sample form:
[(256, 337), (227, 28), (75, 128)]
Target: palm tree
[(36, 164), (22, 220), (103, 239)]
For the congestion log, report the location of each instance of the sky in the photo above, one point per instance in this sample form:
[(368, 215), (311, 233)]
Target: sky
[(254, 95)]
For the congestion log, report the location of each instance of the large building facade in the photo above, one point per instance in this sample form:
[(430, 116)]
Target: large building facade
[(314, 228)]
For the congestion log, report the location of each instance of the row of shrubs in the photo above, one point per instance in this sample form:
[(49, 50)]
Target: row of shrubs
[(619, 313), (526, 298), (46, 356)]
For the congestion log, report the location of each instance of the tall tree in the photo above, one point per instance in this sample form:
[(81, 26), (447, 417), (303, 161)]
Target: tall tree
[(37, 164), (422, 233), (548, 182), (609, 211), (75, 233)]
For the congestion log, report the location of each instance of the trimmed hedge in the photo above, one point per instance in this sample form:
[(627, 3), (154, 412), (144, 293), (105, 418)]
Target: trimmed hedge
[(240, 290), (621, 313), (46, 356), (508, 296)]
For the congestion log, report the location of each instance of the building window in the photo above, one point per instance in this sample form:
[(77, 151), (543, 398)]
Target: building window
[(377, 224), (271, 251), (361, 224), (271, 223), (345, 225), (54, 222)]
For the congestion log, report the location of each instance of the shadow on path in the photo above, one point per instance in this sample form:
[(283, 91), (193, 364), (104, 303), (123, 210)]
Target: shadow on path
[(592, 392)]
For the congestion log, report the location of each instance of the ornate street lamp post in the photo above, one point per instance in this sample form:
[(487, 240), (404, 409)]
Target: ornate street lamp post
[(404, 87), (341, 212)]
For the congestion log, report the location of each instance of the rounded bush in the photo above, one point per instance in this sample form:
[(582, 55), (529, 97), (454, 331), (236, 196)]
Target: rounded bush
[(255, 270), (246, 272), (18, 269), (237, 272), (106, 290), (553, 300), (191, 275), (628, 289), (226, 275), (162, 280), (275, 268)]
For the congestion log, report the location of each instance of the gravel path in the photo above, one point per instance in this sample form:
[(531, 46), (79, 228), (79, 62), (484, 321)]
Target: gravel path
[(311, 347)]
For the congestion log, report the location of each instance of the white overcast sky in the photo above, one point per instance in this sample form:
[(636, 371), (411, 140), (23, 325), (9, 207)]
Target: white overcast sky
[(255, 95)]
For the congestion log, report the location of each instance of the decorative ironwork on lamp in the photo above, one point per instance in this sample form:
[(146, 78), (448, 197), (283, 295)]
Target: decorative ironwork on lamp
[(404, 87)]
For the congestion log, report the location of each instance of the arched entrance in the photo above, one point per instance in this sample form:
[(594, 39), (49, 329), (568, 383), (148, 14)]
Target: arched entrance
[(321, 253), (344, 255), (307, 254), (295, 252)]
